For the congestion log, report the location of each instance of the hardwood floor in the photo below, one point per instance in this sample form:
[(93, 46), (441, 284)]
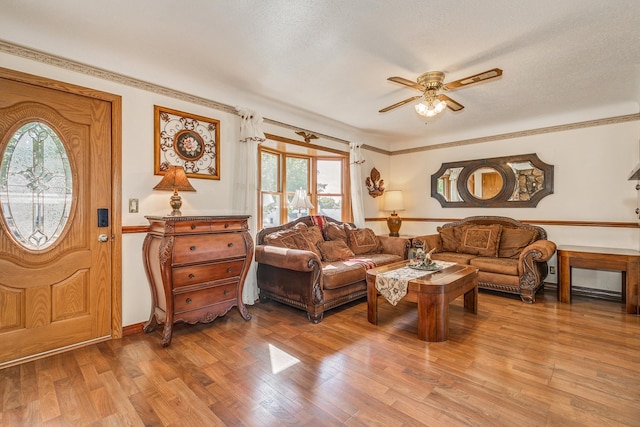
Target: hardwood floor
[(513, 364)]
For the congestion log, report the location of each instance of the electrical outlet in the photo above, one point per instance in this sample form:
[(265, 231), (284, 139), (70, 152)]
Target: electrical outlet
[(552, 270)]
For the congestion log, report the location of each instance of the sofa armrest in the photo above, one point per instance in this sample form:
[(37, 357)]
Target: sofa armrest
[(290, 259), (395, 245), (430, 242), (539, 251)]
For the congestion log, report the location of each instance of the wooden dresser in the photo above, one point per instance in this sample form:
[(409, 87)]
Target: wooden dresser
[(196, 266)]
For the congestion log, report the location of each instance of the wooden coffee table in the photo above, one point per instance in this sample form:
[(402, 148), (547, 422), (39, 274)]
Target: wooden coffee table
[(432, 293)]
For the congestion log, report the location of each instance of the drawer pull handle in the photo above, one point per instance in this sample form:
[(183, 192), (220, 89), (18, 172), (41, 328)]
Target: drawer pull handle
[(226, 291), (226, 226), (191, 276), (192, 248), (230, 245), (228, 270), (188, 300), (193, 226)]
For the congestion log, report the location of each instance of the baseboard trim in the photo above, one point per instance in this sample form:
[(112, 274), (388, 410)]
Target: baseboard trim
[(136, 328), (588, 292)]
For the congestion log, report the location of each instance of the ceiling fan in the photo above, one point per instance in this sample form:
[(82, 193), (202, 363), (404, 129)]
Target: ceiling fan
[(430, 84)]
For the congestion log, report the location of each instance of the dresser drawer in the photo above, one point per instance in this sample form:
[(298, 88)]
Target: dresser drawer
[(207, 247), (192, 227), (231, 225), (192, 274), (197, 299)]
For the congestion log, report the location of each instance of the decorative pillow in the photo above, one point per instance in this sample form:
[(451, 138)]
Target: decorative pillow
[(335, 250), (363, 241), (293, 238), (335, 232), (320, 221), (451, 237), (482, 240), (314, 235), (514, 240)]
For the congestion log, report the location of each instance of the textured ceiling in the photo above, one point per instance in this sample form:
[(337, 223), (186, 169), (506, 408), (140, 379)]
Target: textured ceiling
[(564, 61)]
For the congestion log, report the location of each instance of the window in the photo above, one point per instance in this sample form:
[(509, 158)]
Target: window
[(36, 188), (319, 174)]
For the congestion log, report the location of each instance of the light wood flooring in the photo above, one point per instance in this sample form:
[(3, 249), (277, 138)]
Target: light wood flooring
[(512, 364)]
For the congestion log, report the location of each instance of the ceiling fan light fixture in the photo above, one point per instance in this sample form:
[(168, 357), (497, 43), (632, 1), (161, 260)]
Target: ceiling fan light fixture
[(430, 107)]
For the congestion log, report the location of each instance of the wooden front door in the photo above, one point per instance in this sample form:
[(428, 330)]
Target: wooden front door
[(55, 255)]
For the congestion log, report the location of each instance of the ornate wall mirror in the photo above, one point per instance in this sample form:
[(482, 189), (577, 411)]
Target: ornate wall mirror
[(500, 182)]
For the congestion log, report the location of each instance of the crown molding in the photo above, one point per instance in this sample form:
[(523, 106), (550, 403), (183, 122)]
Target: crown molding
[(78, 67), (519, 134), (101, 73)]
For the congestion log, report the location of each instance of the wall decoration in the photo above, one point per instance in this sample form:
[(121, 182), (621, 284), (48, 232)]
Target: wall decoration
[(519, 181), (187, 140), (307, 136), (375, 185)]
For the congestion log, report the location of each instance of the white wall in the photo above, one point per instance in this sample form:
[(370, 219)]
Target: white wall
[(591, 167)]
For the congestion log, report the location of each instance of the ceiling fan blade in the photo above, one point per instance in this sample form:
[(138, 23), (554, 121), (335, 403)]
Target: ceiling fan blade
[(399, 104), (407, 82), (490, 74), (451, 104)]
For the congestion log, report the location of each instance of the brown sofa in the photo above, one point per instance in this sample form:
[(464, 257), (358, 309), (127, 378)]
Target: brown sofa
[(316, 263), (511, 256)]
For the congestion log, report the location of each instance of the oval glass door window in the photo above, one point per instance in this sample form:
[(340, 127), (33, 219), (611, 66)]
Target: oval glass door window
[(36, 186)]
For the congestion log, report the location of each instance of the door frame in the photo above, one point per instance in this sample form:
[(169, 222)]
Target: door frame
[(116, 184)]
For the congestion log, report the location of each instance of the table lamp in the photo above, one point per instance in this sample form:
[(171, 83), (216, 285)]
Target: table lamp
[(393, 201), (175, 179), (300, 201)]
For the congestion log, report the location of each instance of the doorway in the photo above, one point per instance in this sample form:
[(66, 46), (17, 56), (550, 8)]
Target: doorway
[(60, 222)]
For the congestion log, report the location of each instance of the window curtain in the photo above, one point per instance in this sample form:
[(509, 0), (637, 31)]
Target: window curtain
[(245, 188), (355, 172)]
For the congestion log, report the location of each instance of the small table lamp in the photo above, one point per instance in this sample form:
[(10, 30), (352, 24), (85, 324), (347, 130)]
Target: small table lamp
[(175, 179), (393, 202), (300, 201)]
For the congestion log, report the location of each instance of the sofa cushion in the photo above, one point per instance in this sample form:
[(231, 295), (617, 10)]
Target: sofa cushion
[(292, 238), (338, 274), (363, 241), (335, 232), (453, 257), (334, 250), (514, 240), (451, 238), (508, 266), (482, 240), (346, 272)]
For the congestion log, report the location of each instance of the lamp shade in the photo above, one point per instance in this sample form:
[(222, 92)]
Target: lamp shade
[(300, 200), (174, 179), (393, 201)]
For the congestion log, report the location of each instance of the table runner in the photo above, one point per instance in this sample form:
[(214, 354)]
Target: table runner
[(393, 284)]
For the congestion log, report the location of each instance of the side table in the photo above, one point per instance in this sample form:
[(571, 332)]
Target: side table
[(625, 260)]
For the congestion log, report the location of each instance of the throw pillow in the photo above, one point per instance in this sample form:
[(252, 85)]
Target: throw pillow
[(451, 238), (335, 232), (335, 250), (482, 240), (314, 234), (514, 240), (292, 239), (363, 241)]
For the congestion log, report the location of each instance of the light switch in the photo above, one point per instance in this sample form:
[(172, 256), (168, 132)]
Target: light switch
[(133, 205)]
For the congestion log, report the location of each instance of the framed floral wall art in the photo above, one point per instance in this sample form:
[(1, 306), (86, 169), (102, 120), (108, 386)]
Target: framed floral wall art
[(187, 140)]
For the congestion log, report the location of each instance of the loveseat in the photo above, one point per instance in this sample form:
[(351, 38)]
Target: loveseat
[(316, 263), (511, 256)]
